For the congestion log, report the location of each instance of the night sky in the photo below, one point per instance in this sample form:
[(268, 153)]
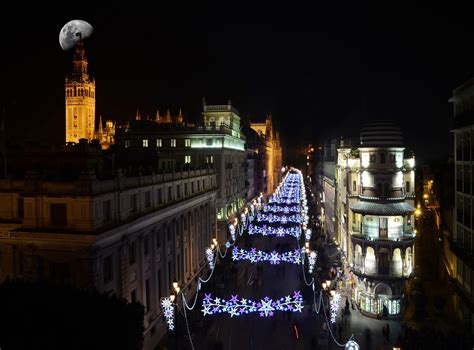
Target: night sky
[(320, 71)]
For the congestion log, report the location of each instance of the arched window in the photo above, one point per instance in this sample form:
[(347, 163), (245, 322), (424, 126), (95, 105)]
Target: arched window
[(354, 186), (386, 190), (407, 187)]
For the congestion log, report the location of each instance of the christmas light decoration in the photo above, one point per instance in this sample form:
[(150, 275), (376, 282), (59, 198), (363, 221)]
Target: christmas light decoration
[(352, 345), (279, 231), (266, 307), (312, 261), (335, 306), (274, 258), (168, 311), (232, 231), (284, 219), (307, 234), (210, 257)]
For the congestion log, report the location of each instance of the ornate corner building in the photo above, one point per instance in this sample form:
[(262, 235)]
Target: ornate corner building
[(375, 211)]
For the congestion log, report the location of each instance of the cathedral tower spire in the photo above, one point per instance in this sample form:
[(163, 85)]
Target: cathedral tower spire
[(80, 98)]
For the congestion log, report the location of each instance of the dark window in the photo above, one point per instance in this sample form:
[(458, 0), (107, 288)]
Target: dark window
[(379, 189), (178, 191), (158, 239), (21, 206), (192, 187), (168, 234), (169, 194), (108, 269), (147, 295), (467, 179), (386, 190), (186, 189), (107, 210), (160, 198), (58, 214), (459, 146), (147, 199), (354, 186), (170, 278), (382, 158), (392, 158), (372, 158), (133, 203), (145, 244), (208, 142), (158, 282), (131, 253), (199, 185), (133, 296), (203, 185), (407, 187)]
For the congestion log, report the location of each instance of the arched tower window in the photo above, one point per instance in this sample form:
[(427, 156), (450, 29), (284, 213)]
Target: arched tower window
[(386, 189), (354, 186)]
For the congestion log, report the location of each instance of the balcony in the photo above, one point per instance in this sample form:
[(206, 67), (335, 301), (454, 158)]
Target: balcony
[(405, 240)]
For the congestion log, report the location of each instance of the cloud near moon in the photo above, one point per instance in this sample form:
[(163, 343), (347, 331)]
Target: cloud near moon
[(67, 35)]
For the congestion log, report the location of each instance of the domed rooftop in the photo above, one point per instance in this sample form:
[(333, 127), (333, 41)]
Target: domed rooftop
[(381, 134)]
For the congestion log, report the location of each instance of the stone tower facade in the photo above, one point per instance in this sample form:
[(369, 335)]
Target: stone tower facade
[(80, 99)]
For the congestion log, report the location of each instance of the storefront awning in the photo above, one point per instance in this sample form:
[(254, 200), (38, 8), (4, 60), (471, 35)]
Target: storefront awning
[(389, 209)]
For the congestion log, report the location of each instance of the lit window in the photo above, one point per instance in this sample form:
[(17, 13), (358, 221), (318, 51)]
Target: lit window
[(173, 142), (145, 143), (187, 159), (127, 143), (159, 143), (187, 142)]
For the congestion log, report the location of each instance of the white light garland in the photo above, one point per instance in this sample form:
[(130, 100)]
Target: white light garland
[(274, 258), (168, 311), (312, 260), (210, 257), (335, 306)]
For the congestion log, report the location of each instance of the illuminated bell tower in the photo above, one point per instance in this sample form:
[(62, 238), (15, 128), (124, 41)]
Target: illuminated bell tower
[(80, 99)]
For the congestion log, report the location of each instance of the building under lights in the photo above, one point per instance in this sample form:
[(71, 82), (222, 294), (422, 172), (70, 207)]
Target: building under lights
[(460, 262), (375, 207), (216, 142)]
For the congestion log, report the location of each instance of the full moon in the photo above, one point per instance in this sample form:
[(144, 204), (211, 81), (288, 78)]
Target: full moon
[(67, 35)]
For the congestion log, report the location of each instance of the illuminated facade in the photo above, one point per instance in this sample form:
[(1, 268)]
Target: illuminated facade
[(375, 204), (460, 265), (80, 99), (267, 145), (80, 105), (217, 142)]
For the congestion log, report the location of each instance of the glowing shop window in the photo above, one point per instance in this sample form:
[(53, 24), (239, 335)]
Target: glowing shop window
[(187, 159), (187, 142), (145, 143), (159, 143), (173, 143)]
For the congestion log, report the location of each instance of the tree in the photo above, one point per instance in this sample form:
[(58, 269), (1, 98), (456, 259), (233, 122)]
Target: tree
[(46, 316)]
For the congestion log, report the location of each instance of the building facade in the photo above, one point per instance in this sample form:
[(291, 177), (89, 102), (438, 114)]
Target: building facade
[(462, 242), (80, 93), (267, 144), (128, 236), (216, 142), (376, 193), (80, 99), (328, 194)]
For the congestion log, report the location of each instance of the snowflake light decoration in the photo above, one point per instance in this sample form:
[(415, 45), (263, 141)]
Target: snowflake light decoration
[(266, 307), (312, 260), (352, 345), (232, 231), (275, 258), (168, 311), (335, 306), (210, 257)]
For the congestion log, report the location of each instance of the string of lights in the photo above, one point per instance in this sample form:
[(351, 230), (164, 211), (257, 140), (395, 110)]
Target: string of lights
[(275, 258), (266, 307)]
